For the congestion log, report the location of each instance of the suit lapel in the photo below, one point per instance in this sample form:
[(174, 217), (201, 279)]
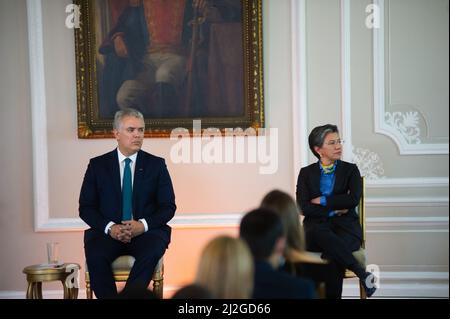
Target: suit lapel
[(315, 176), (138, 177), (337, 176), (115, 174)]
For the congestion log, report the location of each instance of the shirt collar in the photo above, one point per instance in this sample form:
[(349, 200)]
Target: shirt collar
[(329, 171), (123, 157)]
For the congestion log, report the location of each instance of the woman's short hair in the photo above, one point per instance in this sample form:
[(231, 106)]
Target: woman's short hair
[(121, 114), (318, 134)]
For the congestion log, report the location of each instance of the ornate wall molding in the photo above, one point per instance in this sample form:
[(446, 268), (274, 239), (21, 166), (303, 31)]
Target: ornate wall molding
[(403, 127), (369, 163), (406, 124)]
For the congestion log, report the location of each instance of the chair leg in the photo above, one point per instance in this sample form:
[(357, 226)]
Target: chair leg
[(158, 287), (362, 292), (39, 290), (30, 290), (88, 290), (66, 290), (321, 291)]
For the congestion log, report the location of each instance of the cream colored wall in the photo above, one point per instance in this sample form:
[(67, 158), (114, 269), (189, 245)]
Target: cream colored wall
[(407, 220), (432, 103), (200, 188), (323, 62), (407, 217)]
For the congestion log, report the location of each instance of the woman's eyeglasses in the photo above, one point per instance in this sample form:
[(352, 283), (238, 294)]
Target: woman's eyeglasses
[(334, 142)]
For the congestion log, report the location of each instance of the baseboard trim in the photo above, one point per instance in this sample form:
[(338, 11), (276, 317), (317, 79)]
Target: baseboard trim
[(393, 284), (405, 284), (58, 294), (47, 294)]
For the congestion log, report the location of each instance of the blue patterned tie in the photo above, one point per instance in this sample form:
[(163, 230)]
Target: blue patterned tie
[(127, 191)]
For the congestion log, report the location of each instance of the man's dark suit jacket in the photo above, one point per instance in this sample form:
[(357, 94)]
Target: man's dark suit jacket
[(101, 194), (346, 195), (272, 284)]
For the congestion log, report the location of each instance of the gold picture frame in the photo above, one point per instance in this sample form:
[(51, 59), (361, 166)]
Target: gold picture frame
[(229, 95)]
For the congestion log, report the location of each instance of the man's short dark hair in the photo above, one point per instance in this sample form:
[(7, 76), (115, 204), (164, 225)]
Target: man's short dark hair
[(318, 134), (261, 228)]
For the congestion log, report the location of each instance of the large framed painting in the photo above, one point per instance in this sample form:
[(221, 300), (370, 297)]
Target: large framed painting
[(174, 60)]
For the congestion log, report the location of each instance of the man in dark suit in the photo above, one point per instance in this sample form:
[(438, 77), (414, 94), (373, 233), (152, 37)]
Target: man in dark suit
[(127, 199), (327, 193), (263, 231)]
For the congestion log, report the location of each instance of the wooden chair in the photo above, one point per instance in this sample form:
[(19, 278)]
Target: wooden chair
[(296, 260), (360, 254), (121, 268)]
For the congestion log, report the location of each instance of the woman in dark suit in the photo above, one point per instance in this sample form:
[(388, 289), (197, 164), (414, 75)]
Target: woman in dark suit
[(327, 193)]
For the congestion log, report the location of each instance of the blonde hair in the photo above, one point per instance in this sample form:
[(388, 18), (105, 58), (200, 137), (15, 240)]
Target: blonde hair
[(285, 206), (226, 268)]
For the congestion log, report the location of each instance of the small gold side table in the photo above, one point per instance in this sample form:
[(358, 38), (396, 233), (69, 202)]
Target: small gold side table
[(37, 274)]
